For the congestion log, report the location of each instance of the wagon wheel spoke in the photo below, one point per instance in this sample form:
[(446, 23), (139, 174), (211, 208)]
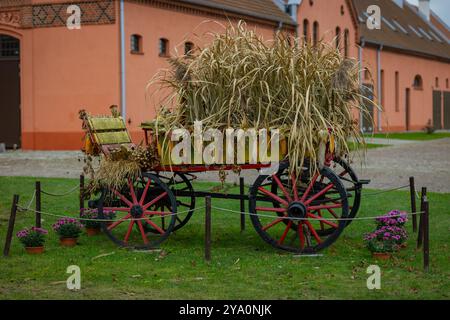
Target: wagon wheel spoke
[(154, 225), (288, 227), (273, 223), (180, 203), (310, 186), (141, 229), (271, 209), (132, 192), (319, 213), (163, 223), (301, 236), (116, 223), (156, 213), (122, 197), (162, 195), (144, 193), (332, 213), (283, 189), (322, 220), (343, 173), (320, 193), (324, 207), (294, 186), (130, 228), (313, 231), (273, 196)]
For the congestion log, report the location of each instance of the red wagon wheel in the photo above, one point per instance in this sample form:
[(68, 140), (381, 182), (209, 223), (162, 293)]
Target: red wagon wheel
[(133, 206), (303, 220), (351, 183), (183, 190)]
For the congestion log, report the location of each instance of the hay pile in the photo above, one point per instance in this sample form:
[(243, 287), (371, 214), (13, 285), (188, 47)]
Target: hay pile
[(240, 81)]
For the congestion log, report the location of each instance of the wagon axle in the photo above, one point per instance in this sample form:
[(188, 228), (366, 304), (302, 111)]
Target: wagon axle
[(137, 211), (297, 209)]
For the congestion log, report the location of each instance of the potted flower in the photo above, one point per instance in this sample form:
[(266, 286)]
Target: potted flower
[(394, 222), (393, 218), (381, 244), (89, 217), (33, 239), (397, 234), (68, 230)]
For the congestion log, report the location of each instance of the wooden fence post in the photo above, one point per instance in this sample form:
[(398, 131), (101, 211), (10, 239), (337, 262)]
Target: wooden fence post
[(81, 194), (38, 204), (422, 209), (208, 228), (412, 191), (12, 220), (242, 202), (426, 236)]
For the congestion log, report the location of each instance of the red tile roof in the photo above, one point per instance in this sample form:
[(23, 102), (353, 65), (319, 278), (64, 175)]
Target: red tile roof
[(403, 29), (261, 9)]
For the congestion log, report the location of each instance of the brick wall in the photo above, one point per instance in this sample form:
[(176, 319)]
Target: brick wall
[(22, 14)]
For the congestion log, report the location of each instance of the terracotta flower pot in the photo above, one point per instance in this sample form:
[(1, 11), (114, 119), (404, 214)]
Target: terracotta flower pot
[(381, 255), (34, 250), (92, 231), (68, 242)]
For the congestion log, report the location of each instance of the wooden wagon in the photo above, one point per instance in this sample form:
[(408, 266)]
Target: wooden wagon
[(297, 213)]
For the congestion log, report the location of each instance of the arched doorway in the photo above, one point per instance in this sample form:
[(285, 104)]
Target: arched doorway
[(10, 126)]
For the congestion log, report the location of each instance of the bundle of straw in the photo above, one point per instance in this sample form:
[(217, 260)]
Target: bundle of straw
[(241, 81)]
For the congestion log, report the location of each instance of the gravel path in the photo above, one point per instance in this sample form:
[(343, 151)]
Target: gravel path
[(427, 161), (387, 167)]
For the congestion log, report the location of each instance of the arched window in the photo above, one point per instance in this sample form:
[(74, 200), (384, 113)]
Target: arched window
[(418, 83), (436, 82), (306, 30), (188, 48), (163, 47), (346, 42), (315, 32), (338, 38), (136, 43)]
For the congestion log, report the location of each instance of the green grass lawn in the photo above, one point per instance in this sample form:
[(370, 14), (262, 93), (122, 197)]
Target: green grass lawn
[(242, 267), (353, 146), (411, 135)]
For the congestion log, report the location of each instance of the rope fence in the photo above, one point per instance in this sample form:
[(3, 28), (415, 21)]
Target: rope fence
[(423, 213), (386, 191), (330, 219), (61, 194), (23, 209)]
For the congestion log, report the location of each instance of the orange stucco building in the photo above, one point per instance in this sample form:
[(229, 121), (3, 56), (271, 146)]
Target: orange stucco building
[(407, 59), (48, 72)]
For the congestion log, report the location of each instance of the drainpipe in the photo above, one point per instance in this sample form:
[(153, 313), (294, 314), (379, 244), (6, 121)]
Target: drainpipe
[(360, 58), (379, 86), (280, 26), (123, 99)]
